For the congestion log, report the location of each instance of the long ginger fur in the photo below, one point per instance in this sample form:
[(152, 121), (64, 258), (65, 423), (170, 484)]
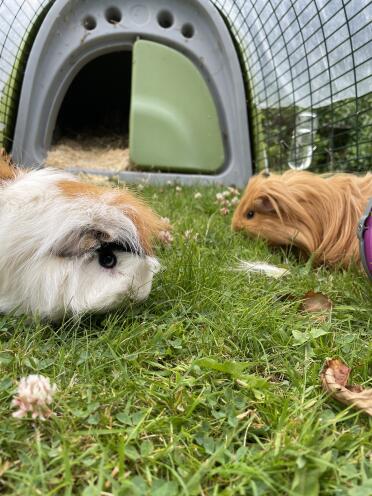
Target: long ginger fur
[(319, 214), (7, 171)]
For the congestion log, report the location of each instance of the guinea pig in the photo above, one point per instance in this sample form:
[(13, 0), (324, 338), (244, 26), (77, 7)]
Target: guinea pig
[(319, 214), (67, 247)]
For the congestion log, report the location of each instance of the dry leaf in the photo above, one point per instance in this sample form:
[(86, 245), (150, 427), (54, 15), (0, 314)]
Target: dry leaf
[(245, 414), (5, 466), (340, 371), (114, 473), (318, 304), (334, 377)]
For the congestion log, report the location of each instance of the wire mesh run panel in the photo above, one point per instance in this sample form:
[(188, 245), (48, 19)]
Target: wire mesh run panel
[(19, 23), (308, 67)]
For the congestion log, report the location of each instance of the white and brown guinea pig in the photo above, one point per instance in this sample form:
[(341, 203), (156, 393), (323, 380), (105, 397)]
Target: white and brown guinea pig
[(67, 247), (319, 214)]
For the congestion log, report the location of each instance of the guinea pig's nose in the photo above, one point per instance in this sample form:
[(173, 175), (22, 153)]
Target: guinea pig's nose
[(236, 224)]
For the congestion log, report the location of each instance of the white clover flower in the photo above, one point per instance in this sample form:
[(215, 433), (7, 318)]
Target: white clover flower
[(220, 197), (234, 191), (166, 220), (166, 237), (224, 211), (197, 195), (34, 394), (178, 189), (189, 234), (234, 201)]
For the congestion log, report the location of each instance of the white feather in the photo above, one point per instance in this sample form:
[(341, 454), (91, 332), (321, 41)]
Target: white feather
[(264, 268)]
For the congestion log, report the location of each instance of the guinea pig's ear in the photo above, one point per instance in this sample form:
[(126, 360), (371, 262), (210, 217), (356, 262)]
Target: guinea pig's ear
[(80, 241), (264, 205)]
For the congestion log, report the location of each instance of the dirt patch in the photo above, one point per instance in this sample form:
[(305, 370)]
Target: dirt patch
[(109, 153)]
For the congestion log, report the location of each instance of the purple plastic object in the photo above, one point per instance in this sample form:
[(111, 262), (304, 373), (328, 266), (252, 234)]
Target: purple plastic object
[(365, 239)]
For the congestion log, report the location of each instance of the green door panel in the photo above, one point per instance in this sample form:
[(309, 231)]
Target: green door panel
[(173, 119)]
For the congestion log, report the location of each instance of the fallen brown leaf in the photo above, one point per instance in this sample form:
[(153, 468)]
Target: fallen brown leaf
[(318, 304), (340, 371), (334, 377)]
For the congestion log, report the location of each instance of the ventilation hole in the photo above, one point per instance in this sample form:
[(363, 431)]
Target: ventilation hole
[(89, 22), (165, 19), (113, 15), (188, 30)]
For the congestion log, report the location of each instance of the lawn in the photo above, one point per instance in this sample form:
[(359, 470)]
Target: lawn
[(209, 387)]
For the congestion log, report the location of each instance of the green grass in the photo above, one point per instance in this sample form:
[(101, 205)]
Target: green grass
[(141, 411)]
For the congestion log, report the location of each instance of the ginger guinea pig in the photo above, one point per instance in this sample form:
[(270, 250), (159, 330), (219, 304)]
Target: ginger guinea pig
[(67, 247), (319, 214)]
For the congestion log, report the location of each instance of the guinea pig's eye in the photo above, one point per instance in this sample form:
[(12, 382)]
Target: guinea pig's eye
[(107, 259), (250, 214)]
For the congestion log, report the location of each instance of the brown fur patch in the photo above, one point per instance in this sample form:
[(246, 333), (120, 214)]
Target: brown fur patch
[(7, 171), (71, 189), (148, 223), (318, 214)]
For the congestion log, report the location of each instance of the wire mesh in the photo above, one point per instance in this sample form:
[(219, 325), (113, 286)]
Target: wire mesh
[(308, 69), (307, 66), (19, 22)]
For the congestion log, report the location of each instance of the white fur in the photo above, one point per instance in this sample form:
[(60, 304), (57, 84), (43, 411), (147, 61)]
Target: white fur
[(35, 218)]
